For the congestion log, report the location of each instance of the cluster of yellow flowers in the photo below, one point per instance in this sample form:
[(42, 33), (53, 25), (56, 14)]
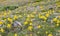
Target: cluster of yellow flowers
[(29, 20), (1, 22), (31, 23), (57, 21)]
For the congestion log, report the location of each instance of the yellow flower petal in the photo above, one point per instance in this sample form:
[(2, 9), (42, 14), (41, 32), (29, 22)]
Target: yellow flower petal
[(50, 35), (30, 28), (39, 26), (15, 34)]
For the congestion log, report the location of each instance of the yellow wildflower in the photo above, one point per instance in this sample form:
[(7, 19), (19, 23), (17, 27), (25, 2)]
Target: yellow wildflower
[(1, 22), (27, 19), (26, 22), (15, 17), (2, 30), (49, 12), (50, 35), (30, 28), (39, 26), (54, 19), (57, 24), (58, 21), (8, 25), (15, 34), (40, 16), (46, 32), (9, 19), (30, 23), (43, 17), (47, 15)]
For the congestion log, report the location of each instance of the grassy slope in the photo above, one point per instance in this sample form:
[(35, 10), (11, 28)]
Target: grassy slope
[(20, 8)]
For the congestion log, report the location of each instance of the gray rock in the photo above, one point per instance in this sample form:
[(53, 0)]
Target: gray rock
[(16, 23)]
